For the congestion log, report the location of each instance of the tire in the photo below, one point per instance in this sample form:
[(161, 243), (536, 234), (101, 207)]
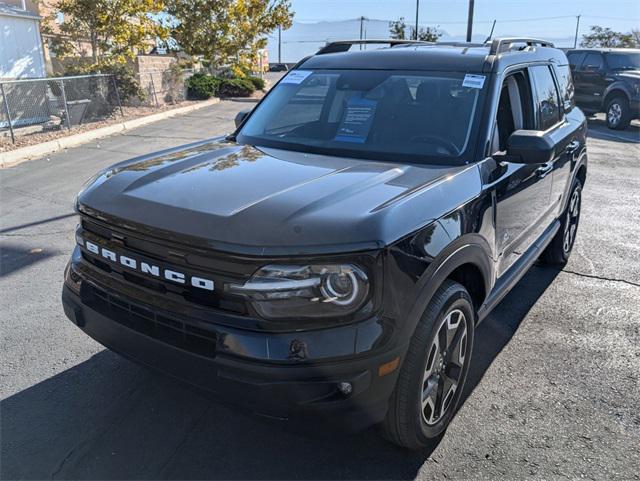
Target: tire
[(559, 250), (618, 113), (409, 422)]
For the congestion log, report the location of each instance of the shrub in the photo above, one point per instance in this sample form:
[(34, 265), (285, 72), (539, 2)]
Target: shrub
[(202, 86), (235, 88), (257, 82)]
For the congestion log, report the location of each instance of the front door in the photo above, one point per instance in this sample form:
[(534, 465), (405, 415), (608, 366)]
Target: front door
[(523, 211)]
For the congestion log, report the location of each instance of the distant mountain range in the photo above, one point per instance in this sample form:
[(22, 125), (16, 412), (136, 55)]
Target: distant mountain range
[(305, 38)]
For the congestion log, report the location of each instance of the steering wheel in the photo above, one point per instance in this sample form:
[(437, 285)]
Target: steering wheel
[(434, 139)]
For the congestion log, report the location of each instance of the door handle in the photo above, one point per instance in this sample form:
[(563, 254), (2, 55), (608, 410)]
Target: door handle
[(544, 169), (573, 146)]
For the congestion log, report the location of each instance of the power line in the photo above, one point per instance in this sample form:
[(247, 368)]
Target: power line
[(440, 22)]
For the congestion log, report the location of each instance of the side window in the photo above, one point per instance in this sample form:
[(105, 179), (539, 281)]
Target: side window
[(575, 59), (565, 84), (514, 110), (546, 98), (593, 61)]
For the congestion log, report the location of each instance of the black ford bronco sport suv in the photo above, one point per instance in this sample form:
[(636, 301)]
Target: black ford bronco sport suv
[(332, 257), (607, 80)]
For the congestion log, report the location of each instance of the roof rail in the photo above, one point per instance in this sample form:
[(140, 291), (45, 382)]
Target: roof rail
[(461, 44), (499, 45), (345, 45)]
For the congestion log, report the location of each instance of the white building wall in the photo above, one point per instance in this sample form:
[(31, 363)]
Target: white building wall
[(21, 53)]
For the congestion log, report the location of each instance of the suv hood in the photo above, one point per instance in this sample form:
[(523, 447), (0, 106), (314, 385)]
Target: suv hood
[(628, 74), (250, 200)]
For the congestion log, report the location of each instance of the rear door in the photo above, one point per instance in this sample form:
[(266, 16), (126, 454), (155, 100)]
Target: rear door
[(592, 79), (575, 63), (568, 136)]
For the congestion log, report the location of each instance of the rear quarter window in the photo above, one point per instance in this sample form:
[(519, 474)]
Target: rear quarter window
[(565, 84)]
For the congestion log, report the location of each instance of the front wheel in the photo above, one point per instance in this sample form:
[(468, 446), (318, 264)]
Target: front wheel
[(618, 113), (433, 373)]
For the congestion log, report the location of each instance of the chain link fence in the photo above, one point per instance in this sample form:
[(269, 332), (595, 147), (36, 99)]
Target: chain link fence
[(48, 104), (55, 103)]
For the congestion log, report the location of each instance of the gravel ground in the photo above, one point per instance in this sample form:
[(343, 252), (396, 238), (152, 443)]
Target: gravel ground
[(553, 392)]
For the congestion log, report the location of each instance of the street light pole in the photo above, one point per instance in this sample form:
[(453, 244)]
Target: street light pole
[(279, 43), (415, 35), (575, 40), (470, 21), (362, 19)]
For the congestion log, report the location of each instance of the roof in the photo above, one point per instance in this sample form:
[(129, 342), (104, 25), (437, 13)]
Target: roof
[(604, 50), (11, 11), (433, 57)]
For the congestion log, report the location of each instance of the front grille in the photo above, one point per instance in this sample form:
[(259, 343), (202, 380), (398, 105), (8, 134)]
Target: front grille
[(166, 329), (221, 269)]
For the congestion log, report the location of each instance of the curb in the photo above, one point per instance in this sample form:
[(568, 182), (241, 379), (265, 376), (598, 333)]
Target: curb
[(15, 157)]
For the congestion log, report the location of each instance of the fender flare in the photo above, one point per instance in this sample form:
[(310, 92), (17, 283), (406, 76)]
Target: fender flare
[(617, 85), (581, 162), (468, 249)]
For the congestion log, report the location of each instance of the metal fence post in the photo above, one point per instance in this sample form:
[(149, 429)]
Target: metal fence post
[(6, 106), (153, 87), (66, 107), (115, 88)]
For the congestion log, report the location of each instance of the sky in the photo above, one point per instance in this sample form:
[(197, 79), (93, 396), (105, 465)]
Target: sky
[(452, 14), (317, 21)]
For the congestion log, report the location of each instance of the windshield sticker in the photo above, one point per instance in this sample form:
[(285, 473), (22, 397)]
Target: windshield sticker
[(296, 76), (473, 81), (357, 120)]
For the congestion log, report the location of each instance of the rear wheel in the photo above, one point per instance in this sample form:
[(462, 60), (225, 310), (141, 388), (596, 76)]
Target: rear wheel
[(559, 250), (618, 113), (433, 373)]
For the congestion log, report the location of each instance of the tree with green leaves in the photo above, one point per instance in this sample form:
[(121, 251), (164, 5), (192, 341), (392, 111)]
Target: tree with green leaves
[(226, 32), (604, 37), (115, 29), (398, 30)]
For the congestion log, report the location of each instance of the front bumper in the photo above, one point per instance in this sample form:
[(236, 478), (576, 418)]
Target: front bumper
[(634, 105), (237, 372)]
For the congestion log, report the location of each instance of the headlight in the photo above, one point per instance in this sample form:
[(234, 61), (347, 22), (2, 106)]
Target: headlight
[(311, 291)]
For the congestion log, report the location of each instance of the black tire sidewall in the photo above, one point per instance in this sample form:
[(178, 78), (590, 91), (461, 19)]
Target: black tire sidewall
[(577, 185), (459, 300), (624, 118)]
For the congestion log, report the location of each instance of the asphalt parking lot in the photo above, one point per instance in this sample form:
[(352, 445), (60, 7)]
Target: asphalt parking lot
[(554, 391)]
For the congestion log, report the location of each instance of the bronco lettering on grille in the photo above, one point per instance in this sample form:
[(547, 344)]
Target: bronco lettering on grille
[(147, 268)]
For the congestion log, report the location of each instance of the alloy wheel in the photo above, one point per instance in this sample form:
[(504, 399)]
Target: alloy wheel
[(444, 368), (571, 222), (614, 114)]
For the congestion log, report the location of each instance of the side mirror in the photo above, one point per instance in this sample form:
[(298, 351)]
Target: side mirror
[(530, 147), (240, 116)]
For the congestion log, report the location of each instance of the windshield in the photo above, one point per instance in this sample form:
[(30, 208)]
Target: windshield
[(625, 61), (389, 115)]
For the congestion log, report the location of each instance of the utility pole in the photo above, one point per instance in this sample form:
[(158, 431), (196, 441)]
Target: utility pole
[(279, 43), (415, 35), (362, 19), (470, 21), (575, 40)]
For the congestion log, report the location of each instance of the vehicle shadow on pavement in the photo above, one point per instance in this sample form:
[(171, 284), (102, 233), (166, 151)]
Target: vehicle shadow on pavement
[(107, 418), (598, 130), (14, 257)]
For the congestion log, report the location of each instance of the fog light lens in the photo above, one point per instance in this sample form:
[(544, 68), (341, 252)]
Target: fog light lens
[(345, 388)]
